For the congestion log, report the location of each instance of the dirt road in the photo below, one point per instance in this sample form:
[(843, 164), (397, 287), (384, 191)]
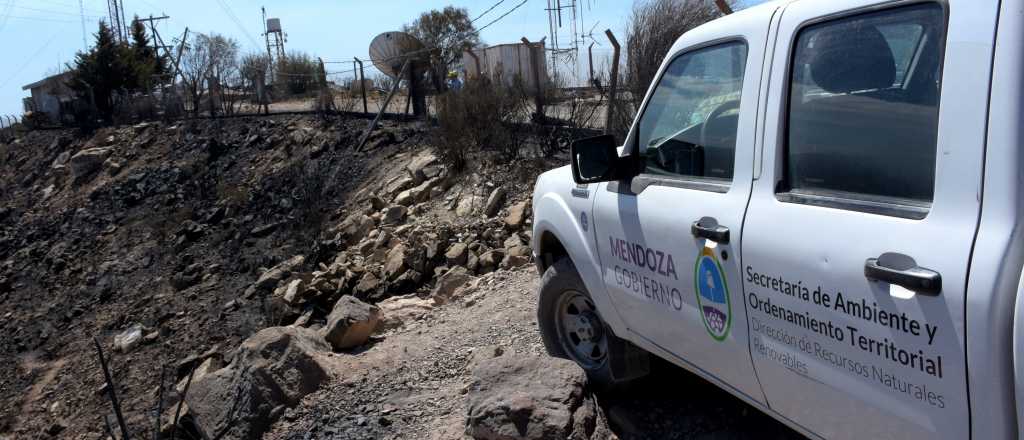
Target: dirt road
[(410, 383)]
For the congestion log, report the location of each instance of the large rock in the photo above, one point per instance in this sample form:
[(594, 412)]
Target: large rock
[(457, 254), (517, 215), (355, 227), (417, 194), (417, 166), (88, 161), (394, 263), (395, 214), (448, 283), (350, 323), (271, 370), (397, 310), (467, 205), (398, 184), (494, 201), (530, 398)]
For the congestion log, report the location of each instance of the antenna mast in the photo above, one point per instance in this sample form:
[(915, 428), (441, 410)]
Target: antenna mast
[(115, 11)]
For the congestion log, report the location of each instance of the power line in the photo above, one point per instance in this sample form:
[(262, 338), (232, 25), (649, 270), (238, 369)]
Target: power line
[(50, 11), (6, 15), (51, 20), (30, 59), (231, 15), (488, 10), (502, 16)]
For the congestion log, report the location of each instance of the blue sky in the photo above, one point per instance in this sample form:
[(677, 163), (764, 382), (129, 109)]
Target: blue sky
[(42, 35)]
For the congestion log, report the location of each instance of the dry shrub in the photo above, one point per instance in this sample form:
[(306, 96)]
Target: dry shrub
[(652, 29), (482, 117)]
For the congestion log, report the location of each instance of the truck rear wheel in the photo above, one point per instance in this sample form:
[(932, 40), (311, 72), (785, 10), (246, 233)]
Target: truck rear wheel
[(570, 324)]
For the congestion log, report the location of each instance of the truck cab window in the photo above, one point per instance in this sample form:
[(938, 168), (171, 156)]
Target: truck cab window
[(863, 106), (689, 125)]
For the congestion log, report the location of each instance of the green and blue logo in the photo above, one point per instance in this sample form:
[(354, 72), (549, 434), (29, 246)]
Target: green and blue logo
[(712, 294)]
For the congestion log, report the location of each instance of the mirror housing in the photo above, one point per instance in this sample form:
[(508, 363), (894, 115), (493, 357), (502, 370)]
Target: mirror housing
[(596, 159)]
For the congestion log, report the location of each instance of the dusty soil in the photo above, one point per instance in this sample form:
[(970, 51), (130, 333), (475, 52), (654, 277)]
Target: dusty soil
[(410, 383)]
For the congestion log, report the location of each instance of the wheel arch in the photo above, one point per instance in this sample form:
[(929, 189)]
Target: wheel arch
[(558, 234)]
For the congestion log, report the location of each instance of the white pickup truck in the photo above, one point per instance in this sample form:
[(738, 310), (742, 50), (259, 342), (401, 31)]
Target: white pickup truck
[(820, 209)]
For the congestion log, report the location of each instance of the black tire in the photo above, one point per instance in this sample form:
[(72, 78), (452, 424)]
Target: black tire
[(561, 282)]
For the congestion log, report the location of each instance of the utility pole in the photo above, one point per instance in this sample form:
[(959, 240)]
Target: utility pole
[(362, 82), (614, 81), (535, 64)]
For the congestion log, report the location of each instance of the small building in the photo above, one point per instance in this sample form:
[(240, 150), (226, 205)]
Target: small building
[(509, 61), (50, 95)]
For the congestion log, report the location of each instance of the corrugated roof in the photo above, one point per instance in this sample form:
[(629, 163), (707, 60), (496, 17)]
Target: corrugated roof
[(46, 80)]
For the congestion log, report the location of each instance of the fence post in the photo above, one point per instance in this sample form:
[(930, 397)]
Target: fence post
[(362, 84), (534, 63), (614, 80), (590, 59)]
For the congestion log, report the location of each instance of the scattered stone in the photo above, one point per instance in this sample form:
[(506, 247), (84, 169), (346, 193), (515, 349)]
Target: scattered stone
[(514, 261), (491, 259), (367, 284), (494, 201), (265, 230), (86, 162), (467, 205), (395, 214), (291, 292), (350, 323), (396, 311), (128, 339), (446, 285), (274, 275), (457, 254), (61, 161), (395, 263), (517, 215)]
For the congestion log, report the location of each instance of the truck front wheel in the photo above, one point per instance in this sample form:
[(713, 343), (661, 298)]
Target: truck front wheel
[(571, 326)]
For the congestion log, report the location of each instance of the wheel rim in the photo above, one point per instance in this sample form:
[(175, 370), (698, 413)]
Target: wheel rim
[(580, 330)]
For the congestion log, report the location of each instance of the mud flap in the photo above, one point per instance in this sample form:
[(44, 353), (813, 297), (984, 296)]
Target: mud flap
[(625, 360)]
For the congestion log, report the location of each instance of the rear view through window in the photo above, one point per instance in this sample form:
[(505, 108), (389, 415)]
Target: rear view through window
[(863, 106)]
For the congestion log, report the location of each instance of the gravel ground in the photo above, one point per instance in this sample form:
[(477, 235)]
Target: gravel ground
[(410, 383)]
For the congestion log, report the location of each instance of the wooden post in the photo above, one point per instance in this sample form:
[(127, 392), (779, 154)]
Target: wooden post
[(539, 93), (419, 100), (614, 80), (476, 62), (362, 83)]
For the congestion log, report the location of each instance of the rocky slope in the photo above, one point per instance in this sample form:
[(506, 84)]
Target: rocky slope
[(290, 288)]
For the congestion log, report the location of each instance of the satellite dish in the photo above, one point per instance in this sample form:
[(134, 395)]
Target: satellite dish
[(390, 50)]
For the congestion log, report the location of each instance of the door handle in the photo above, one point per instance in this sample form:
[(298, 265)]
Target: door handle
[(708, 227), (901, 270)]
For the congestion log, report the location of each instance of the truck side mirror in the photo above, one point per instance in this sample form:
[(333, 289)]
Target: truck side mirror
[(596, 159)]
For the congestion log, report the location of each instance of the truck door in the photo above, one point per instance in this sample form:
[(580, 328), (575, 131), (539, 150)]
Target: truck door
[(669, 240), (859, 232)]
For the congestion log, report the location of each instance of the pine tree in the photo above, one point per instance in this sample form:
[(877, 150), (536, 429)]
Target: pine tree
[(102, 71)]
